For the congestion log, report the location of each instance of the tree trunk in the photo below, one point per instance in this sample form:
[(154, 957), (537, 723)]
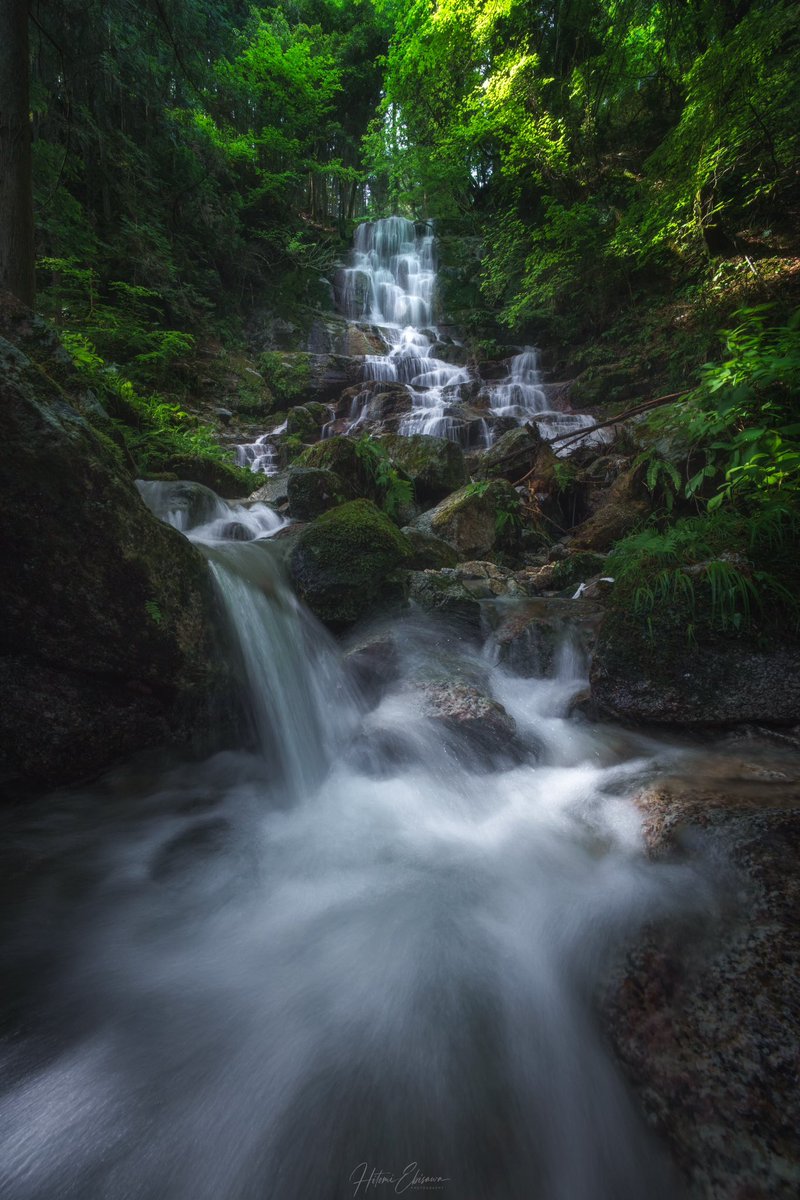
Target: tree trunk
[(16, 186)]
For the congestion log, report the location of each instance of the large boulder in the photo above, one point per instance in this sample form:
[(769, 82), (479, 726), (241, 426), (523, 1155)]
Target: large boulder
[(661, 675), (340, 455), (430, 553), (476, 520), (342, 559), (107, 642), (312, 491), (703, 1012), (619, 512), (434, 465)]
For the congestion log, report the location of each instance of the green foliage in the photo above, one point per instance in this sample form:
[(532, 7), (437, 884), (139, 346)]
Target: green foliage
[(287, 375), (154, 612), (393, 490), (721, 570), (155, 431)]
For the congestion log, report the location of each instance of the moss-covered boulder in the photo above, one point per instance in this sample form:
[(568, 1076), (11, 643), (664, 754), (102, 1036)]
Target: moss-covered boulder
[(312, 491), (434, 465), (342, 560), (107, 642), (477, 520), (429, 552), (229, 481), (340, 455), (306, 421), (511, 456)]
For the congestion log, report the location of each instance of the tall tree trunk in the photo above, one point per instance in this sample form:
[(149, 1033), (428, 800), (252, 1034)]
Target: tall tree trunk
[(16, 186)]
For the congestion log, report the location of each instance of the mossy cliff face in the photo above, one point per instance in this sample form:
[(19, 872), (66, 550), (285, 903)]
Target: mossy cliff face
[(106, 645), (341, 561)]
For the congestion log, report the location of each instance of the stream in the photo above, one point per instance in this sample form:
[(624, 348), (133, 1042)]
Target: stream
[(357, 956)]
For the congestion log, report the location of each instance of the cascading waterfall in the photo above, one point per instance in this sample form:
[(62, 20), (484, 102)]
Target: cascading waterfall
[(389, 288), (369, 946)]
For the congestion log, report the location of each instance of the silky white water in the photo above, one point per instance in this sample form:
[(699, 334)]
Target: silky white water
[(357, 944)]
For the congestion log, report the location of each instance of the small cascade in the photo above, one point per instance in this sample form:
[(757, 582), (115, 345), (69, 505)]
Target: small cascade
[(204, 517), (522, 397), (289, 663), (261, 456)]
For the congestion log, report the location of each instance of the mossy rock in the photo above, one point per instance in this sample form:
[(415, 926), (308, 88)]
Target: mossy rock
[(477, 520), (341, 562), (307, 420), (340, 455), (434, 465), (312, 491), (443, 594), (226, 479), (109, 630), (430, 553)]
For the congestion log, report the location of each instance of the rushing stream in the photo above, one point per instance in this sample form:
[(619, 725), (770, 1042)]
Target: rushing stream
[(357, 944)]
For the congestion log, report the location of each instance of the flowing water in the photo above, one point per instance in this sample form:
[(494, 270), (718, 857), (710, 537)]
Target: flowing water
[(390, 290), (362, 942)]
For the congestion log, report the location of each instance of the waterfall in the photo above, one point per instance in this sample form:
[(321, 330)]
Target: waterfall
[(389, 288), (372, 943), (300, 704)]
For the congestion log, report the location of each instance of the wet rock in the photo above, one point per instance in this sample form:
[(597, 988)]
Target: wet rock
[(430, 553), (662, 677), (342, 559), (475, 520), (444, 594), (227, 480), (434, 465), (306, 421), (274, 489), (340, 455), (312, 491), (108, 642), (373, 662), (467, 712), (531, 633), (703, 1015)]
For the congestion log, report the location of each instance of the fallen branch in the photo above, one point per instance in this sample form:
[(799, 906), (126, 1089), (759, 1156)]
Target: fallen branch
[(624, 416)]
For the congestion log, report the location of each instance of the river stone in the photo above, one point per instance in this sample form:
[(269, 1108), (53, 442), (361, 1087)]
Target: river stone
[(434, 464), (342, 559), (473, 520), (703, 1015), (108, 640), (312, 491), (443, 594), (664, 678), (466, 711)]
